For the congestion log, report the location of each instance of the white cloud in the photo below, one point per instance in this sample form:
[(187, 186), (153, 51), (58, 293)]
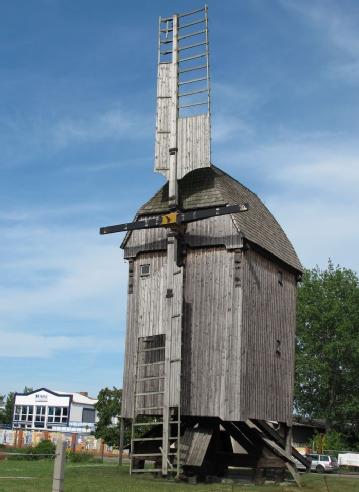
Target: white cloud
[(20, 344), (327, 163), (24, 136), (226, 127), (39, 213), (310, 183), (339, 27), (64, 272), (114, 123), (320, 229)]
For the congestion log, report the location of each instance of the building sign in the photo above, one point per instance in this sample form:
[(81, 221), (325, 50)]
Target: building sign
[(40, 397)]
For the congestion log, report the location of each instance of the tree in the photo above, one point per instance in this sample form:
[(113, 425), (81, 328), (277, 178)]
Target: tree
[(7, 414), (2, 410), (108, 409), (327, 358)]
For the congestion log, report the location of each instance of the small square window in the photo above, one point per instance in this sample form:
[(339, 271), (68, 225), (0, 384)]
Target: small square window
[(145, 270)]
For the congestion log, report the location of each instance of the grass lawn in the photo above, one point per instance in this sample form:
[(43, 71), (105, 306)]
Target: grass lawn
[(109, 478)]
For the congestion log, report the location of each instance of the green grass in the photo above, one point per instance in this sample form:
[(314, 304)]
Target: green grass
[(110, 478)]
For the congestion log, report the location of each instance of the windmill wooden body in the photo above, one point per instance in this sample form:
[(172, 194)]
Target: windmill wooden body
[(211, 294)]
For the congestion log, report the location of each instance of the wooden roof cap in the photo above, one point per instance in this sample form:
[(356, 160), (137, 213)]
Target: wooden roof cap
[(209, 187)]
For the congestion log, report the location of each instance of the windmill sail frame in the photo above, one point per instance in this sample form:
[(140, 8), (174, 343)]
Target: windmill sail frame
[(183, 128)]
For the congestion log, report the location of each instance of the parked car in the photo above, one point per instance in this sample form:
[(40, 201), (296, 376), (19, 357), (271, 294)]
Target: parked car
[(323, 463), (320, 463)]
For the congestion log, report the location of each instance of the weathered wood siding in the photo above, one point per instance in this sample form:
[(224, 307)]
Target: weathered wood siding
[(268, 338), (144, 316), (237, 331), (148, 310), (211, 334)]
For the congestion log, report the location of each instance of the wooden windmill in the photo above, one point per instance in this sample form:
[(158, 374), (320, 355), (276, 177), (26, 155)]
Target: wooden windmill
[(211, 293)]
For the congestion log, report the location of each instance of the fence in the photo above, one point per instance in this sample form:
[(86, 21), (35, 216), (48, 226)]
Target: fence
[(76, 441), (59, 463)]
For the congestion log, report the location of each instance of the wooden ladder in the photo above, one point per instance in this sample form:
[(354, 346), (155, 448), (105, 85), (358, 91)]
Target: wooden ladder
[(155, 438)]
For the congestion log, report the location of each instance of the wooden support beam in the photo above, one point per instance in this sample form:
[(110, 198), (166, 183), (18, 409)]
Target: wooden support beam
[(273, 434), (240, 437)]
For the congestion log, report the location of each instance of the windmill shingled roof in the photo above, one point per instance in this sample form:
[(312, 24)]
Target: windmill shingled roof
[(209, 187)]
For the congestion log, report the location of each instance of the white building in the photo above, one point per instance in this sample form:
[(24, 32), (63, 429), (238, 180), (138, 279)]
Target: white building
[(44, 409)]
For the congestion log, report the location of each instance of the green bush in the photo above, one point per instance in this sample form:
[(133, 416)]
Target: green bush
[(44, 447), (28, 454), (79, 457)]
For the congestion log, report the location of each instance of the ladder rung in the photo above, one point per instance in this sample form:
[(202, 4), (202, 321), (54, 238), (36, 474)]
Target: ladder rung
[(166, 41), (193, 12), (193, 92), (191, 34), (150, 349), (168, 52), (151, 454), (192, 81), (202, 55), (194, 104), (148, 408), (150, 393), (190, 24), (146, 470), (192, 69), (137, 439), (166, 30), (166, 19), (150, 378), (139, 424), (195, 45), (135, 455), (151, 363)]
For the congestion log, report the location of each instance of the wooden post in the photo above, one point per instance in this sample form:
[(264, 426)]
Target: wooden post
[(102, 448), (20, 438), (288, 439), (120, 449), (59, 467), (288, 447), (73, 442)]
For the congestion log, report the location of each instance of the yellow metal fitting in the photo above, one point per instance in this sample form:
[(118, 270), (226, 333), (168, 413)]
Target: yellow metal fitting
[(170, 218)]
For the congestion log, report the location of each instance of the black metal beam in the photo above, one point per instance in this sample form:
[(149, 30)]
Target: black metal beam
[(131, 226), (172, 219), (206, 213)]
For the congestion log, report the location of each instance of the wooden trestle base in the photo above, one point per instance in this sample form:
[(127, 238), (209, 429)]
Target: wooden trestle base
[(208, 447)]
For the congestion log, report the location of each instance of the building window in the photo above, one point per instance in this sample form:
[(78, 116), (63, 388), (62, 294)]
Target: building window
[(57, 415), (145, 270), (88, 415), (23, 413), (40, 417)]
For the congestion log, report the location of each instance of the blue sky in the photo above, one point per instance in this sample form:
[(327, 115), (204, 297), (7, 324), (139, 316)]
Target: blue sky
[(77, 108)]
